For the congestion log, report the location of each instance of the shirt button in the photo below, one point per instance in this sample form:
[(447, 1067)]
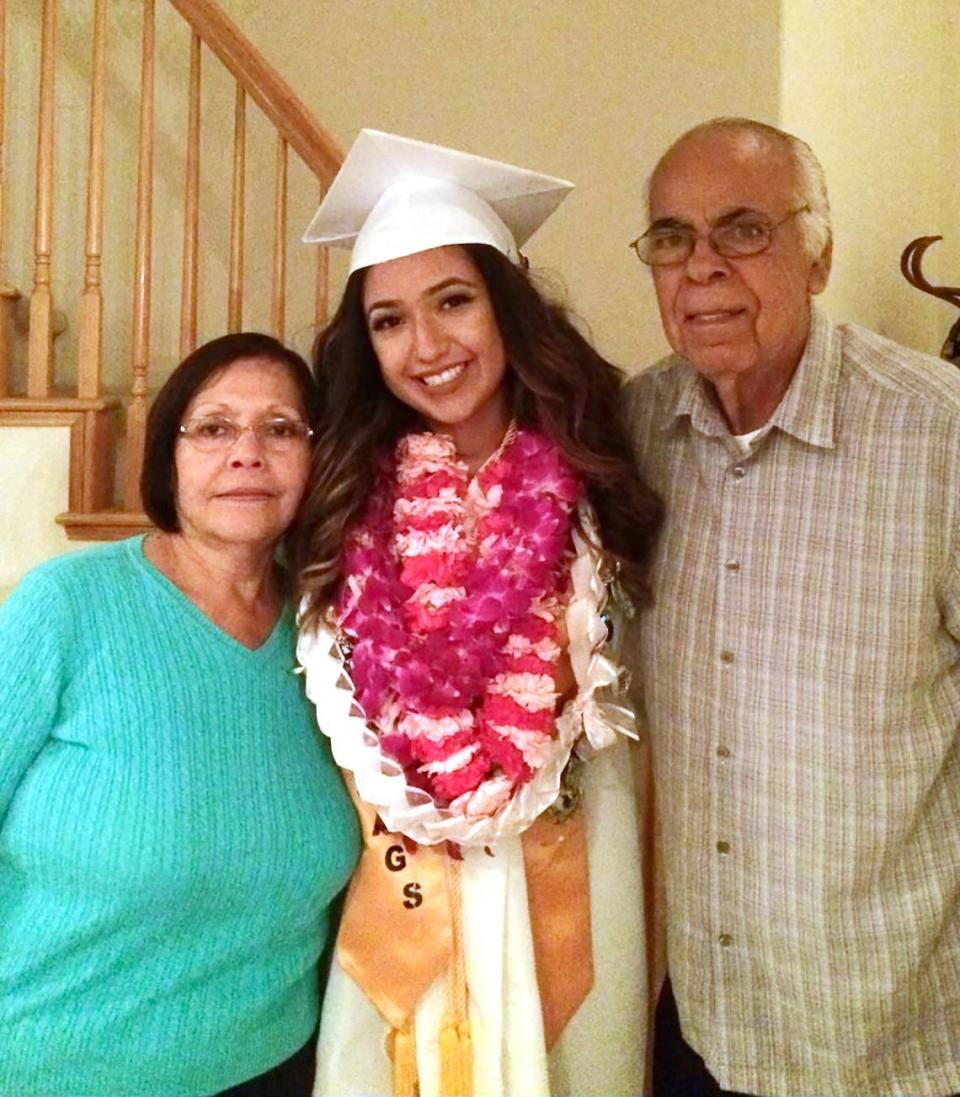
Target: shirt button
[(732, 565), (725, 940), (738, 472), (722, 751), (723, 848), (726, 657)]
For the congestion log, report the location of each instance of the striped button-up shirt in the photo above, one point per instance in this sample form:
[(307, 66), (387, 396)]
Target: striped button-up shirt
[(801, 678)]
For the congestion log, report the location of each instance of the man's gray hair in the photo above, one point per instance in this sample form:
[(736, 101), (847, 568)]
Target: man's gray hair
[(811, 189)]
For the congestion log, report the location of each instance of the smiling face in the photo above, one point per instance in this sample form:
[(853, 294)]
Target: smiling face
[(245, 494), (742, 315), (435, 334)]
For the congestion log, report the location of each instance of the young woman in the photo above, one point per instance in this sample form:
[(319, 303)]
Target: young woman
[(473, 531)]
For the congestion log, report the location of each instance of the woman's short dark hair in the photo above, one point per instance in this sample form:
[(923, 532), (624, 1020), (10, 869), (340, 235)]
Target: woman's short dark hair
[(158, 480)]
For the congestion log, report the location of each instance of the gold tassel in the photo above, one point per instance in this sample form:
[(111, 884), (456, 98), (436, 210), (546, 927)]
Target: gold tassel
[(456, 1060), (450, 1080), (403, 1052), (466, 1057)]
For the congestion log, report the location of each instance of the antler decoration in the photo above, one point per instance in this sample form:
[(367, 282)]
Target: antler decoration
[(910, 267)]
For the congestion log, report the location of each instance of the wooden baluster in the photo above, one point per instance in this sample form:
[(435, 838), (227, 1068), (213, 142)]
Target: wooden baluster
[(322, 298), (3, 123), (8, 295), (40, 349), (237, 207), (278, 301), (321, 303), (90, 342), (137, 405), (191, 210)]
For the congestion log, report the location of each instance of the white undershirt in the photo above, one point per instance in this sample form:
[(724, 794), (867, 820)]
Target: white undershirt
[(745, 441)]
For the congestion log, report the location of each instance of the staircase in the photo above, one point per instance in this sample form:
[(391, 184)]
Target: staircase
[(145, 241)]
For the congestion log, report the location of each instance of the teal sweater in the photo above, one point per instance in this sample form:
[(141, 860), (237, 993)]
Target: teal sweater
[(172, 830)]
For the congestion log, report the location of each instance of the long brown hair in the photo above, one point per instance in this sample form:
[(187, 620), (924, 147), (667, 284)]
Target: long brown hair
[(560, 384)]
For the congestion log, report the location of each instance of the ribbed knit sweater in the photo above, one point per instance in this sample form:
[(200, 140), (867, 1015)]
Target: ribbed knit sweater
[(172, 830)]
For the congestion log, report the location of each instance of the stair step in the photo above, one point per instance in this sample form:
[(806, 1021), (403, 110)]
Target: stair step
[(103, 525)]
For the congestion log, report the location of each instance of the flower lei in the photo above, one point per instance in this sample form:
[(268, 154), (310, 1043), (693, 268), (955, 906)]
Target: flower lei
[(451, 599)]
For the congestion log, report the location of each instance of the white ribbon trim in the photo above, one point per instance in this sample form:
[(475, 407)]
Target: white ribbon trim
[(601, 721), (382, 781)]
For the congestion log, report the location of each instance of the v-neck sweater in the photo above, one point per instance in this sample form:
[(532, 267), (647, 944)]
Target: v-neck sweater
[(172, 831)]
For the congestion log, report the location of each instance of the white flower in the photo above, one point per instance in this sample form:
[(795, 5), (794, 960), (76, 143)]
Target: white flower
[(417, 542), (533, 692), (546, 649), (486, 799), (456, 761), (535, 746), (423, 506), (414, 725), (436, 597)]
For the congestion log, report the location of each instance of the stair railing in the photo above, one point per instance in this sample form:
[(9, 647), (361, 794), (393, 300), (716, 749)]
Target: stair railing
[(107, 430)]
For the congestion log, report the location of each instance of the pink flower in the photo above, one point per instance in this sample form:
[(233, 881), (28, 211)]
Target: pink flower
[(505, 710), (505, 755), (530, 664), (453, 761), (535, 746), (452, 590), (443, 569), (429, 750), (451, 785)]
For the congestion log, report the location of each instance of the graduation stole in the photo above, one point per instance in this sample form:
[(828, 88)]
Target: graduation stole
[(401, 931)]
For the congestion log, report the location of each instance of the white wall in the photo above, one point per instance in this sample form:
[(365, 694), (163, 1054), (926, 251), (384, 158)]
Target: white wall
[(36, 463)]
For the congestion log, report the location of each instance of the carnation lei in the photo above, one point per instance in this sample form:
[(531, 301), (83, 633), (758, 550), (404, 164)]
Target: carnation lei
[(452, 593)]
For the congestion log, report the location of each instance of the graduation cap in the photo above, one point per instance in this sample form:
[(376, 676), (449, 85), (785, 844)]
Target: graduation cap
[(394, 196)]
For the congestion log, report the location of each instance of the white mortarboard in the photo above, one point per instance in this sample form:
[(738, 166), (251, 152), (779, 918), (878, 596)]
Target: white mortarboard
[(394, 196)]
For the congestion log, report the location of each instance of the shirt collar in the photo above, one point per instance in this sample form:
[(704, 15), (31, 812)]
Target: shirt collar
[(808, 408)]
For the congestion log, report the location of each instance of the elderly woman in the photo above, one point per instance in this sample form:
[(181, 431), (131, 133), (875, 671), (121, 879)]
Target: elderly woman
[(172, 831), (474, 529)]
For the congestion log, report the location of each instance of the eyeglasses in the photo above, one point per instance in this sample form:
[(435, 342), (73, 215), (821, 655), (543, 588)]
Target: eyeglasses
[(745, 234), (218, 435)]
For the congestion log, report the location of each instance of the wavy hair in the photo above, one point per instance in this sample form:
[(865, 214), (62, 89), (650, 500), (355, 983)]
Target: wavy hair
[(559, 384)]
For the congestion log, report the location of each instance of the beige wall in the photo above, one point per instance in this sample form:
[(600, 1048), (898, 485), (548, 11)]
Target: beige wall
[(873, 87), (591, 91), (594, 91)]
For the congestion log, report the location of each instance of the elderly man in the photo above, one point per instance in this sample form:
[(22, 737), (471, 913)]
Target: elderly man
[(801, 664)]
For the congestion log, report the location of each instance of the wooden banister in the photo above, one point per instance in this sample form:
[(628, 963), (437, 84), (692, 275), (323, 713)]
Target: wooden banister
[(142, 291), (8, 295), (97, 420), (322, 288), (191, 209), (311, 142), (40, 354), (3, 129), (278, 295), (237, 207), (89, 350)]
